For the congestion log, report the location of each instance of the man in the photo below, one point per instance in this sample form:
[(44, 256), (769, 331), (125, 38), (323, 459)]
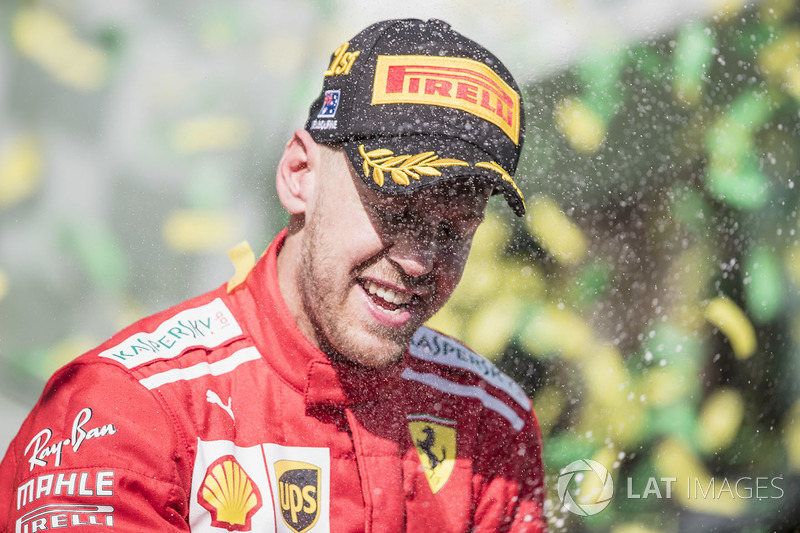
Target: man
[(307, 395)]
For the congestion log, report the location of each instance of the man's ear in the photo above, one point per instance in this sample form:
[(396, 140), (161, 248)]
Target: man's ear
[(297, 172)]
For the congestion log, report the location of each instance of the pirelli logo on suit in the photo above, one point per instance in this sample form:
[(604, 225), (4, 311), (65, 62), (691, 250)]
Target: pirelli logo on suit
[(454, 82)]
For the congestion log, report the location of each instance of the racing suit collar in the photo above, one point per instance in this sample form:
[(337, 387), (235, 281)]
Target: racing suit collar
[(324, 382)]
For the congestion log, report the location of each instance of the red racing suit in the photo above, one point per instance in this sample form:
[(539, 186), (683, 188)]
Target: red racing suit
[(219, 415)]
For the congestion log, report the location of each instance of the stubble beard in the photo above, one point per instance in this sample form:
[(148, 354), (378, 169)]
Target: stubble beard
[(333, 335)]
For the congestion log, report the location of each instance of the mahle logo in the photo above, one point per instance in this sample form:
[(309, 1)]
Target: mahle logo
[(579, 472)]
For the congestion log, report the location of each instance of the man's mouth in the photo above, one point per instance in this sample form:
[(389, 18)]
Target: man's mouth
[(385, 297)]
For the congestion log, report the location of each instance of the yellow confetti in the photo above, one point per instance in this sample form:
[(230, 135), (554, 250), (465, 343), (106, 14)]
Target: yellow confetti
[(447, 321), (605, 374), (687, 90), (4, 284), (198, 231), (20, 170), (633, 528), (733, 323), (205, 134), (46, 39), (720, 419), (727, 9), (791, 261), (554, 330), (491, 237), (481, 280), (794, 329), (691, 273), (243, 260), (773, 11), (792, 437), (131, 311), (780, 61), (65, 351), (555, 232), (609, 396), (549, 403), (694, 487), (665, 386), (491, 327), (582, 127)]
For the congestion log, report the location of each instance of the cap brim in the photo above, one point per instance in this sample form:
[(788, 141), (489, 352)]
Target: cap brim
[(407, 163)]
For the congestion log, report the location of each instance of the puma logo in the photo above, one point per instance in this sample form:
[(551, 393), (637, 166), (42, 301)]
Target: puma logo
[(212, 397), (427, 447)]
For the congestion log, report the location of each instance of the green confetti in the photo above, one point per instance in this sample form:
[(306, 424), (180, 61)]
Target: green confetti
[(764, 290), (100, 253)]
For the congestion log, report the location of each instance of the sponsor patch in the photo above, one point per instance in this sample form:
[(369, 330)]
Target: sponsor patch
[(429, 345), (206, 326), (330, 104), (435, 441), (214, 399), (282, 488), (75, 483), (228, 493), (64, 515), (42, 447), (454, 82), (299, 489)]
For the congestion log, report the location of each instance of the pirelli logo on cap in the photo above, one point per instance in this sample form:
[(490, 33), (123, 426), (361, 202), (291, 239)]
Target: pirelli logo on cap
[(454, 82)]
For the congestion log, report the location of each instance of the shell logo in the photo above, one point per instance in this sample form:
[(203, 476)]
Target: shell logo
[(228, 493)]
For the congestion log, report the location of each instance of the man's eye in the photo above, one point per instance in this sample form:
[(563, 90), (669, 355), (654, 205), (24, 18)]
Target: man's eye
[(448, 232), (397, 218), (392, 217)]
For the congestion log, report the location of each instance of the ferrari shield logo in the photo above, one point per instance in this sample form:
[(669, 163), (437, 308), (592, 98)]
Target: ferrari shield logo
[(299, 488), (435, 441)]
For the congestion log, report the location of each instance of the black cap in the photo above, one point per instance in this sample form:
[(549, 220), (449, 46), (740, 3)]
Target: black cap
[(415, 103)]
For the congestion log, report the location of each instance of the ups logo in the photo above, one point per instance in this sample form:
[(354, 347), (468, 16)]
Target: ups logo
[(299, 488)]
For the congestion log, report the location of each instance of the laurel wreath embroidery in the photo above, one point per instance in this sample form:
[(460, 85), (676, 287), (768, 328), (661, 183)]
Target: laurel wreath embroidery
[(503, 174), (403, 168)]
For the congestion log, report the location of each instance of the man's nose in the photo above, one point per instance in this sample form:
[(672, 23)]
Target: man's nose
[(414, 253)]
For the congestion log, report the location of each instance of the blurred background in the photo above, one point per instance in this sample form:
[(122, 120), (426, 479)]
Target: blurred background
[(649, 302)]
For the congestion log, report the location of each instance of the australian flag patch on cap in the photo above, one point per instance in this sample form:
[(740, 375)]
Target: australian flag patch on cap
[(329, 104)]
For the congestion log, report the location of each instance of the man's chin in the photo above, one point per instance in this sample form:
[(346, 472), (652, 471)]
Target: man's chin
[(375, 352)]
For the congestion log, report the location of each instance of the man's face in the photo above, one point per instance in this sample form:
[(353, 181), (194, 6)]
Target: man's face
[(375, 267)]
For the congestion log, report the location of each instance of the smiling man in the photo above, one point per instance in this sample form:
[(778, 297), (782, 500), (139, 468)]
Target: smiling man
[(307, 395)]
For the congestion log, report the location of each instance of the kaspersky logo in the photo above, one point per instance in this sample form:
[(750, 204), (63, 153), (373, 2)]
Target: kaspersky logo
[(228, 493), (299, 486), (573, 475)]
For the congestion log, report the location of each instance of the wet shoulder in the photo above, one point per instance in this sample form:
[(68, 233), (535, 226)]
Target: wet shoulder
[(441, 350)]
